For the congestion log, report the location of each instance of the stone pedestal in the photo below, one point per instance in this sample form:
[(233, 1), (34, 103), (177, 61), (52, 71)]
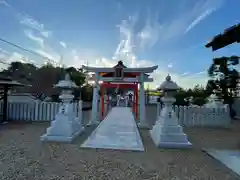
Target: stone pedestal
[(95, 106), (167, 132), (142, 106), (66, 125)]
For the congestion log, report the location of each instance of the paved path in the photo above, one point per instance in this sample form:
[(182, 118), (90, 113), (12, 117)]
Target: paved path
[(117, 131)]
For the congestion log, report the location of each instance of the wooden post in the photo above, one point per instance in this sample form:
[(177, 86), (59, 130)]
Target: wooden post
[(102, 99), (5, 104), (133, 101), (136, 104)]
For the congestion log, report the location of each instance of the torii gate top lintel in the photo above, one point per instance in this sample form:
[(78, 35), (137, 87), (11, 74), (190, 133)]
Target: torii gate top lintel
[(121, 73), (126, 69)]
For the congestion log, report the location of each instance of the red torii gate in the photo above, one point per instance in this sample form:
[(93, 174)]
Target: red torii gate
[(119, 73), (133, 86), (120, 76)]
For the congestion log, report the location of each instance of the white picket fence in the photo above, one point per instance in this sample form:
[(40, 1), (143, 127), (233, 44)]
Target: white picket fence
[(188, 116), (202, 116), (34, 110)]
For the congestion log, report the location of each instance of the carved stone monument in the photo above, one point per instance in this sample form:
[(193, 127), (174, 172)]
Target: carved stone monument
[(66, 125), (167, 132)]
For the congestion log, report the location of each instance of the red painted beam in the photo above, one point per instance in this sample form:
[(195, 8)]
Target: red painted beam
[(108, 85)]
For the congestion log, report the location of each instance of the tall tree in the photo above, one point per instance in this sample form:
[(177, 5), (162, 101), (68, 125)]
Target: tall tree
[(76, 75), (224, 79), (199, 95)]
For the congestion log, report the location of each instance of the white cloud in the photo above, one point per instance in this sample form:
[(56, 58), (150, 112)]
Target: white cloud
[(63, 44), (53, 57), (203, 9), (5, 3), (149, 35), (35, 38), (3, 51), (32, 23), (133, 40), (118, 4), (170, 65), (202, 72), (17, 57), (185, 73), (46, 34), (186, 19), (4, 56), (199, 18)]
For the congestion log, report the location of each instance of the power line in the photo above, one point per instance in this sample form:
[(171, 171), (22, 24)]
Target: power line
[(27, 50)]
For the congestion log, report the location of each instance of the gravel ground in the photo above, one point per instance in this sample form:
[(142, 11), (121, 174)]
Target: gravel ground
[(23, 156)]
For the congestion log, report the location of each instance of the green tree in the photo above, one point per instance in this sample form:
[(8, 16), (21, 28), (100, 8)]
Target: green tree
[(182, 97), (76, 75), (224, 79), (87, 92), (199, 95)]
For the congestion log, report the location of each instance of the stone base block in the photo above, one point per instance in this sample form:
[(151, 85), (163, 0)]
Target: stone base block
[(169, 136), (173, 145), (59, 138)]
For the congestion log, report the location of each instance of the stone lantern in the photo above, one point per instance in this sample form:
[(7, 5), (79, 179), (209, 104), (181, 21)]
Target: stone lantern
[(167, 132), (214, 102), (67, 123)]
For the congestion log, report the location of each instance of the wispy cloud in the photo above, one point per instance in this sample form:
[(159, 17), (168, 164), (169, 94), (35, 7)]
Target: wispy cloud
[(17, 57), (185, 73), (149, 35), (118, 4), (30, 22), (125, 49), (35, 38), (5, 3), (170, 65), (54, 57), (199, 19), (63, 44), (202, 72), (132, 40), (187, 18), (207, 7)]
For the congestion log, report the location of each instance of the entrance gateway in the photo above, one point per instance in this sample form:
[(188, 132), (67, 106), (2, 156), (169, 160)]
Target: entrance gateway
[(120, 76)]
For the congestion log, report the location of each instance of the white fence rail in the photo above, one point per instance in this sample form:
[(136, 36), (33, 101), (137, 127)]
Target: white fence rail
[(202, 116), (35, 110), (188, 116)]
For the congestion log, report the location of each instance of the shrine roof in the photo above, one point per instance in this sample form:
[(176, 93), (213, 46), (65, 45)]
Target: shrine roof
[(229, 36), (126, 74), (132, 71)]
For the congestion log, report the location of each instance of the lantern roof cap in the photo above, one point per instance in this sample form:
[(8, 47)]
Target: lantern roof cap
[(168, 84), (66, 83)]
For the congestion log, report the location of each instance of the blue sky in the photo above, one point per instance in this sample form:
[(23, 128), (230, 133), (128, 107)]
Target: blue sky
[(169, 33)]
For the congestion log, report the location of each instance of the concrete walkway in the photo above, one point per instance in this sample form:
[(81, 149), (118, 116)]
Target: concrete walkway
[(117, 131)]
